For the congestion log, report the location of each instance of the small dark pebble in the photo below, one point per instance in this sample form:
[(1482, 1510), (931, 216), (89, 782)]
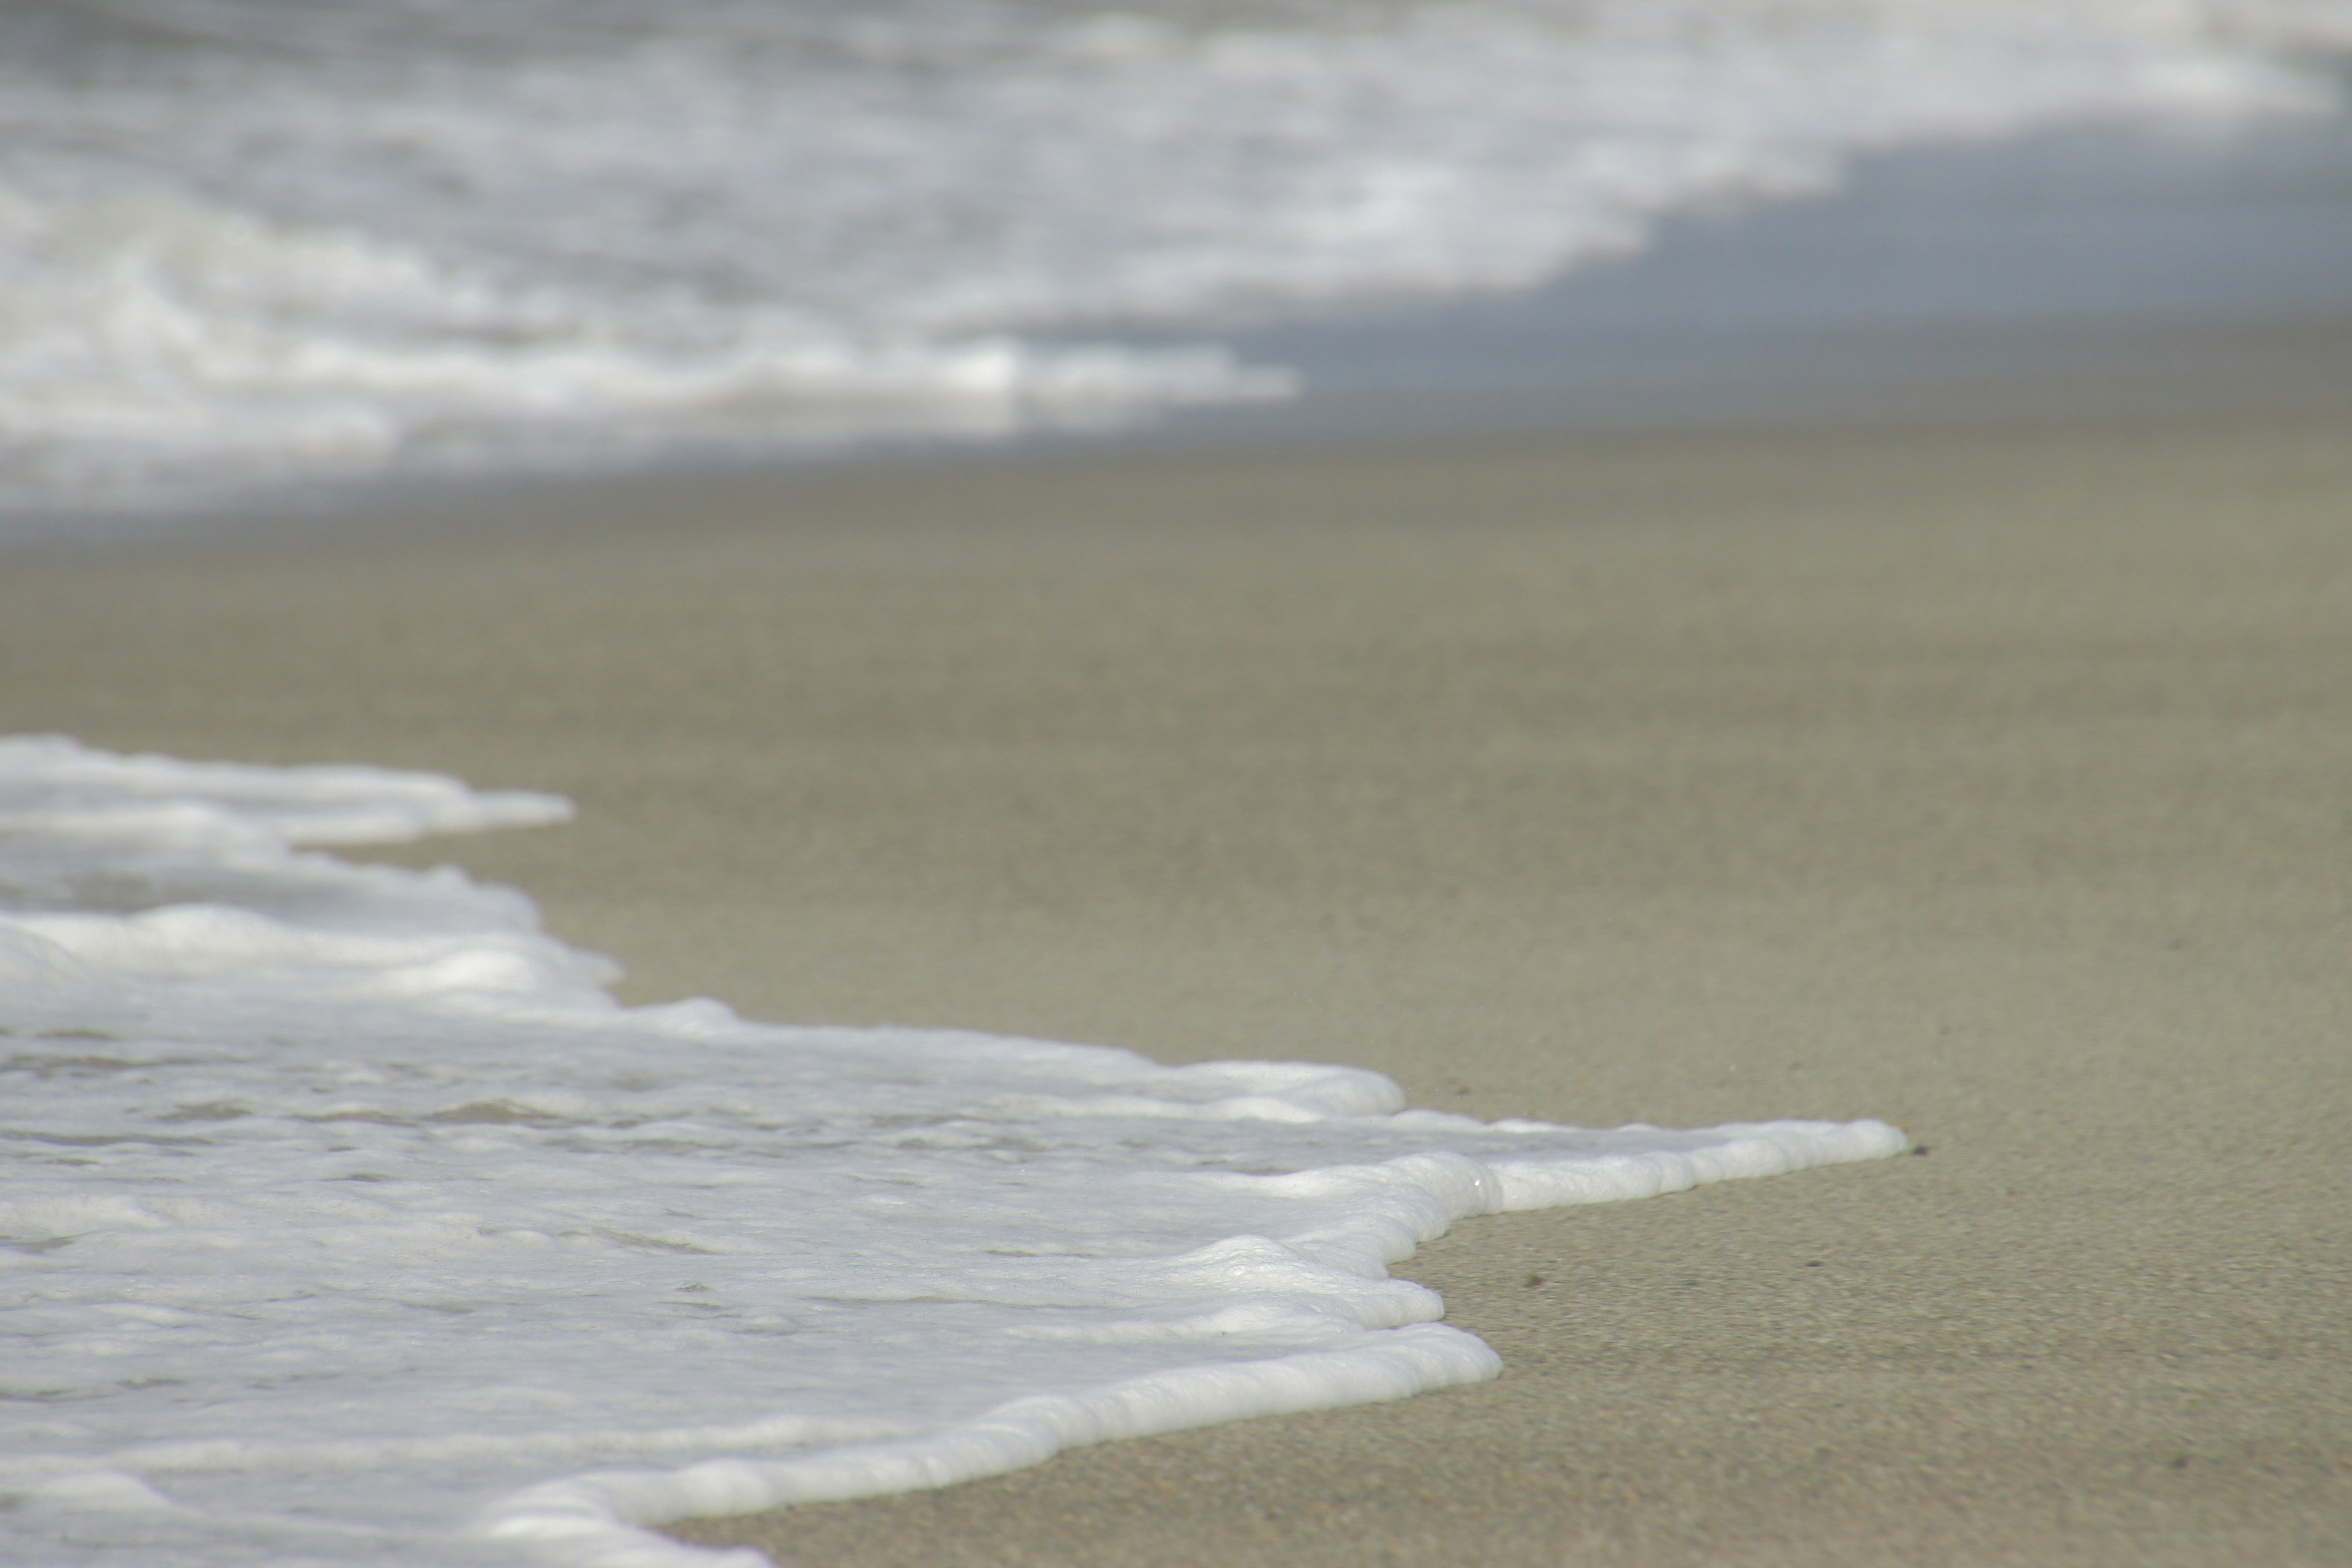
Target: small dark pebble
[(1918, 1148), (1534, 1280), (2181, 1462), (1813, 1265)]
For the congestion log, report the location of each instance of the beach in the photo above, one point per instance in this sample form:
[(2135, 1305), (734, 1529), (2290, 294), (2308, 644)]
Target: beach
[(1989, 778), (1784, 572)]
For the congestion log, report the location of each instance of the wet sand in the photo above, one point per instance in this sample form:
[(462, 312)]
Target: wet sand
[(1996, 781)]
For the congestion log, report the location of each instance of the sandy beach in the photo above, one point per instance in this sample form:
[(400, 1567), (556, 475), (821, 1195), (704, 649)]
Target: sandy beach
[(1988, 780)]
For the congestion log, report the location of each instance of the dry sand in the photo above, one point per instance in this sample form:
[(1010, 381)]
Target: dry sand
[(1997, 783)]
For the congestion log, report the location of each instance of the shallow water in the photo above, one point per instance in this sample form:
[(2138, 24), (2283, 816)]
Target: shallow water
[(347, 1220), (254, 241)]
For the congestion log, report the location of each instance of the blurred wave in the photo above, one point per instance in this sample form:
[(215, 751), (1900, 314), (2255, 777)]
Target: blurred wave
[(247, 241)]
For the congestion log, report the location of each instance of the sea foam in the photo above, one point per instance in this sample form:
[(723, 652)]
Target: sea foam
[(348, 1220), (253, 241)]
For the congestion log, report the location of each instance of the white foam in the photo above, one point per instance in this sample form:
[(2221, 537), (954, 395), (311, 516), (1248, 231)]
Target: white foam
[(346, 1219), (155, 342), (258, 239)]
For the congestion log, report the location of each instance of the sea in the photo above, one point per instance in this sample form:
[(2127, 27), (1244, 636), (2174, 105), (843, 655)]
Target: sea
[(345, 1217), (257, 248)]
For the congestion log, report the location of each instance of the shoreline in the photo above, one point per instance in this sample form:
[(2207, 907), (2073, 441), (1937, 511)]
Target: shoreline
[(2111, 273), (1986, 780)]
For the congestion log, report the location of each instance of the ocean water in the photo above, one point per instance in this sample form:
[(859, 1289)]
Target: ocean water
[(344, 1219), (248, 244)]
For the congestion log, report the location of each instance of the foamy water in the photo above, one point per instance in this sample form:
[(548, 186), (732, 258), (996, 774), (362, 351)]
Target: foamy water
[(251, 241), (344, 1219)]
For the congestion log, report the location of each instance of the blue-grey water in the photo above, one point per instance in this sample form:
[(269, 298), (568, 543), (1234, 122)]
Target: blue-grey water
[(252, 243)]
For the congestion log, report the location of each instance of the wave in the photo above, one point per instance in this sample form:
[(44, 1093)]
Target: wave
[(348, 1220), (253, 240)]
